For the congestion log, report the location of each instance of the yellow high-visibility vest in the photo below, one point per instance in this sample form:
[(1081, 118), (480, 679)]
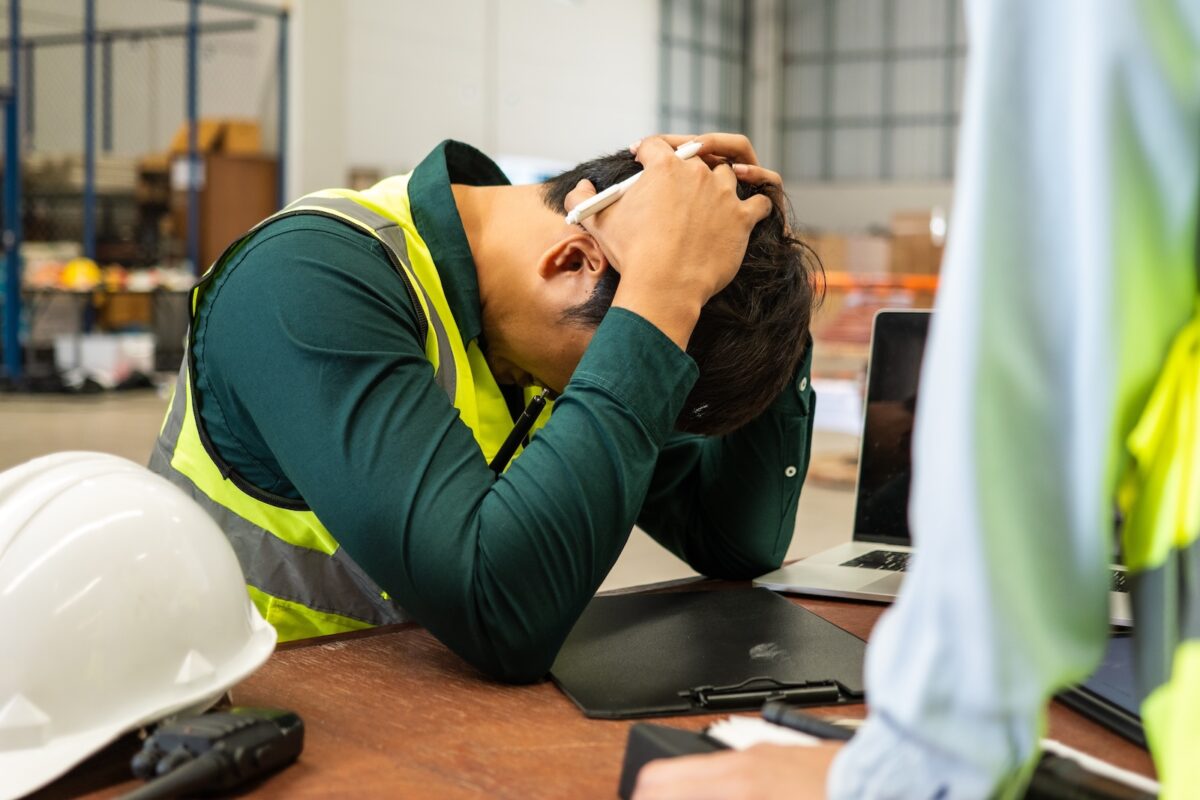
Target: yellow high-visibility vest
[(1160, 497), (301, 580)]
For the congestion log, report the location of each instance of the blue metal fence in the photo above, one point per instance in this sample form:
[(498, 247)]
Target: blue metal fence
[(12, 202)]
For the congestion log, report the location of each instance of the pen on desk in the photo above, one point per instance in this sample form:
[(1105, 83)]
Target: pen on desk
[(596, 204), (520, 430), (791, 717)]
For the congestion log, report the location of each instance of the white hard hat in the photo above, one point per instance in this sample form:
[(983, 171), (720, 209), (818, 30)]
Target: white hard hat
[(121, 602)]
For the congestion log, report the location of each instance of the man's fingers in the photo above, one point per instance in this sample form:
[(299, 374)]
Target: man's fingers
[(756, 175), (732, 146), (727, 146), (722, 148), (673, 139), (758, 207), (726, 175), (654, 150), (582, 191)]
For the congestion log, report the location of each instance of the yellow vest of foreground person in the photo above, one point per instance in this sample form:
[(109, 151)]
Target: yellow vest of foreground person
[(299, 578), (1160, 496)]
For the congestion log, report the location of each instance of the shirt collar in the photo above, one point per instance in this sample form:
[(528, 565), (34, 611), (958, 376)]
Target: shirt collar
[(440, 226)]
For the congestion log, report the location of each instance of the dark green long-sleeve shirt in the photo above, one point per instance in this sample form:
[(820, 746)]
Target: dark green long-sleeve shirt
[(312, 383)]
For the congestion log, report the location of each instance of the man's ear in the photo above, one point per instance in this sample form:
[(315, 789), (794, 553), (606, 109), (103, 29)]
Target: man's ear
[(575, 252)]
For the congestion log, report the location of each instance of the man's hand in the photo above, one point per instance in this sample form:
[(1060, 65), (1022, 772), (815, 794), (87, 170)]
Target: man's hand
[(677, 237), (725, 148), (764, 772)]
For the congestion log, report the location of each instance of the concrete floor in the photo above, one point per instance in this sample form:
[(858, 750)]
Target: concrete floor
[(127, 423)]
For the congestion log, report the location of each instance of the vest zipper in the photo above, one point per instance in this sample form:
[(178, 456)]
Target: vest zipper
[(422, 320)]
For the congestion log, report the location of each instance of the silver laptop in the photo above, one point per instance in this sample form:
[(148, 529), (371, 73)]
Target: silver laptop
[(872, 565)]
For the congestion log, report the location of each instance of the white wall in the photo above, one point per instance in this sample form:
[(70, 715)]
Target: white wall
[(316, 157), (380, 82), (575, 79)]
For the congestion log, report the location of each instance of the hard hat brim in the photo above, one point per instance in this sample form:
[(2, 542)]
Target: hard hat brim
[(26, 770)]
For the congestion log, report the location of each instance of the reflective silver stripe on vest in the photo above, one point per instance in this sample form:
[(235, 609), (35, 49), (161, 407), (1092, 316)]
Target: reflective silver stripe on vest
[(1166, 613), (392, 235), (332, 584)]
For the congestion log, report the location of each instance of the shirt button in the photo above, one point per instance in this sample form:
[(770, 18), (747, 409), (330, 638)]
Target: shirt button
[(790, 472), (803, 382)]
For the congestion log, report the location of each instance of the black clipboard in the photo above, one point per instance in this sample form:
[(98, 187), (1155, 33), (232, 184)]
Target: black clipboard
[(644, 655)]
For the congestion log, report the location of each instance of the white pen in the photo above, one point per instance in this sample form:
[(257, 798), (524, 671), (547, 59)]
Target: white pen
[(594, 205)]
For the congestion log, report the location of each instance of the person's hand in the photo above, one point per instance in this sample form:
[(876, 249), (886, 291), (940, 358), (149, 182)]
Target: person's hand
[(764, 772), (677, 236), (725, 148)]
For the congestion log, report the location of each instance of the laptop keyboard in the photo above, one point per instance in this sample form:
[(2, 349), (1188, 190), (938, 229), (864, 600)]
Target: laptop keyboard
[(891, 560), (896, 561)]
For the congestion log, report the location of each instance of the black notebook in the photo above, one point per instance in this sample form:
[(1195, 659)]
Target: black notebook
[(642, 655), (1110, 695)]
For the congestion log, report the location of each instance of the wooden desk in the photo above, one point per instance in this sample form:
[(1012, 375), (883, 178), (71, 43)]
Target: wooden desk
[(392, 713)]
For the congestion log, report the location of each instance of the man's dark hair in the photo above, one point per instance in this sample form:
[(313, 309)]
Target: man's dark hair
[(750, 336)]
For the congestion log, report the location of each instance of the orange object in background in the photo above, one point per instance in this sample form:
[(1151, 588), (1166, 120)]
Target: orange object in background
[(115, 277), (867, 272), (851, 302), (43, 275)]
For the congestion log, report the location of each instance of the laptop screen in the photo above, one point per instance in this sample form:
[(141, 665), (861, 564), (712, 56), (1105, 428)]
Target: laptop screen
[(885, 463)]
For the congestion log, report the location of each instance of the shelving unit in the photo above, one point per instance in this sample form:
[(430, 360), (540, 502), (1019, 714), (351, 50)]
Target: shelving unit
[(112, 225)]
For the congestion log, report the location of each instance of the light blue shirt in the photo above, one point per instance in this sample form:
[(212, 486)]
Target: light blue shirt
[(1070, 266)]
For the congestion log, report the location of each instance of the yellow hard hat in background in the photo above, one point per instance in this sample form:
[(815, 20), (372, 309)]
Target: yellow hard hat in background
[(81, 273)]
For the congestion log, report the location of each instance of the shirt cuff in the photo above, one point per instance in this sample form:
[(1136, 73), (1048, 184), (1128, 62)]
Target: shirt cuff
[(636, 364), (882, 762)]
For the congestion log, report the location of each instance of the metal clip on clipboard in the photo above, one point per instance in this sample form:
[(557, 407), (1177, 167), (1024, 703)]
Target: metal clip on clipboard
[(635, 655), (756, 691)]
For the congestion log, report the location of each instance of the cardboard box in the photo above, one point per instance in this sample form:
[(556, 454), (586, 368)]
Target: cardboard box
[(830, 248), (911, 223), (241, 137), (868, 255), (236, 193), (917, 241), (220, 135), (915, 255), (856, 253), (121, 311), (208, 132)]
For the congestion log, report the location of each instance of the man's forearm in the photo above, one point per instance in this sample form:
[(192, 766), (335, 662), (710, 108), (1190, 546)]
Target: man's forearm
[(501, 574)]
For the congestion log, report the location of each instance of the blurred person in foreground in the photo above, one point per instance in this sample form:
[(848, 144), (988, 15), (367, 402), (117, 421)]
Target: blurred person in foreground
[(1062, 376)]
